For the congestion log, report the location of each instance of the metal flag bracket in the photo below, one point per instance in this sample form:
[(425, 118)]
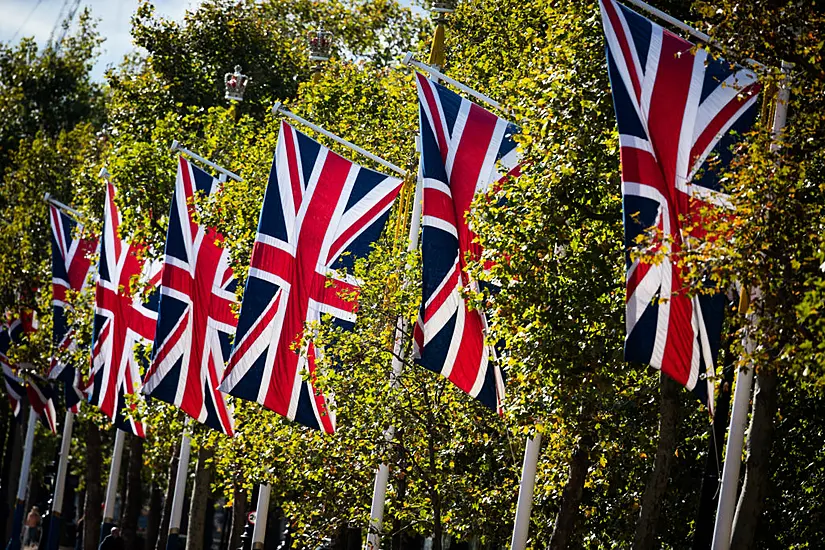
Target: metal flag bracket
[(411, 61), (176, 146), (279, 108), (64, 207)]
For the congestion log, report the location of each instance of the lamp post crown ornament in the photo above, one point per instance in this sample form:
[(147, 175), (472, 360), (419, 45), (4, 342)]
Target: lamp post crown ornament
[(320, 44), (320, 48), (236, 84), (440, 9)]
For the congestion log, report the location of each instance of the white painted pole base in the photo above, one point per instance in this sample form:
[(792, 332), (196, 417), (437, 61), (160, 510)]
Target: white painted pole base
[(379, 496), (521, 528), (28, 447), (63, 464), (382, 475), (733, 460), (262, 510), (744, 381), (114, 477), (180, 484)]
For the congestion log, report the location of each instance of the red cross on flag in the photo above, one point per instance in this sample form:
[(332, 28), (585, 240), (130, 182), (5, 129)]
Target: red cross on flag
[(122, 320), (321, 212)]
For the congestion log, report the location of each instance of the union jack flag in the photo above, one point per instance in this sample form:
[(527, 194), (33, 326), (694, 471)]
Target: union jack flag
[(674, 106), (321, 212), (13, 333), (71, 263), (195, 319), (15, 387), (121, 320), (464, 150), (41, 398)]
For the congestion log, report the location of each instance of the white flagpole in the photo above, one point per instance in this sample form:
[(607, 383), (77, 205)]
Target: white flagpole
[(114, 477), (382, 475), (262, 511), (521, 527), (279, 108), (23, 483), (379, 497), (60, 481), (379, 492), (741, 394), (180, 491)]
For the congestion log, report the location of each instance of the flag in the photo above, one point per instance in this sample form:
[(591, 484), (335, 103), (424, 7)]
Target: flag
[(321, 212), (464, 150), (121, 320), (41, 398), (70, 266), (195, 319), (13, 333), (19, 326), (674, 107), (15, 387)]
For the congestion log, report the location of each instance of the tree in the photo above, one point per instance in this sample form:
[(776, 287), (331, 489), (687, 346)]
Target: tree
[(48, 90)]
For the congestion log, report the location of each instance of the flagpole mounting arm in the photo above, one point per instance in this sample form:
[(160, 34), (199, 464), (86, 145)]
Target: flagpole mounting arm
[(56, 203), (279, 108), (681, 25), (176, 146), (411, 61), (673, 21)]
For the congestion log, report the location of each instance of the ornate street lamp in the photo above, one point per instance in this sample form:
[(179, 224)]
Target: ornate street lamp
[(320, 47), (439, 11), (235, 84)]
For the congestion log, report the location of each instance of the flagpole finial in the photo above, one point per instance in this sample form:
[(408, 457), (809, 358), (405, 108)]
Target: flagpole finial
[(319, 42), (103, 173), (408, 59), (235, 83), (175, 145), (277, 107)]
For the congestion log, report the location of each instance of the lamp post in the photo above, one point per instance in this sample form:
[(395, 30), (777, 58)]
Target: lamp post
[(320, 46), (235, 84), (439, 11)]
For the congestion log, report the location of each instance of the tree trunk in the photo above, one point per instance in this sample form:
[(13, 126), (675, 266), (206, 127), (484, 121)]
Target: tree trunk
[(16, 463), (209, 522), (435, 496), (399, 538), (153, 521), (757, 473), (167, 501), (571, 496), (657, 483), (5, 426), (134, 494), (239, 512), (92, 514), (200, 494), (12, 443)]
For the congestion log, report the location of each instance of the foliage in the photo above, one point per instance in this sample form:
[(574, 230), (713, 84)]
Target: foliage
[(48, 90)]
